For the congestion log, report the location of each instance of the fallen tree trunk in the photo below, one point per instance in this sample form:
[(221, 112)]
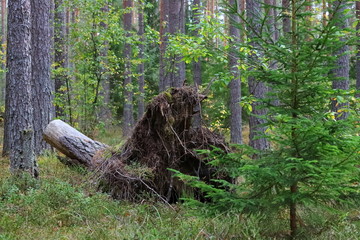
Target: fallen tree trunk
[(162, 139), (79, 148)]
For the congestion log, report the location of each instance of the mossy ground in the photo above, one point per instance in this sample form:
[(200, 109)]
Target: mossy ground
[(63, 204)]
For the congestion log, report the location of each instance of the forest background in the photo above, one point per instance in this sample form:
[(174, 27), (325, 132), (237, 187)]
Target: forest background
[(282, 81)]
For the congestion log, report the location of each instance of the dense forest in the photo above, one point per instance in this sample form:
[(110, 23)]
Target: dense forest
[(236, 111)]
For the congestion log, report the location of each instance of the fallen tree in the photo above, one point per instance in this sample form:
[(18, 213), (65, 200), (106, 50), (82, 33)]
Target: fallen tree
[(162, 139)]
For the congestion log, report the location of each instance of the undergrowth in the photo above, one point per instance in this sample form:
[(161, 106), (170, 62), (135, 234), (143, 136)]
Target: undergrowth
[(63, 204)]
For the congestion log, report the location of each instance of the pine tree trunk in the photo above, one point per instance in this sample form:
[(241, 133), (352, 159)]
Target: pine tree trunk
[(60, 54), (3, 22), (197, 64), (256, 88), (341, 73), (105, 114), (3, 48), (286, 16), (176, 21), (235, 84), (41, 64), (141, 67), (164, 29), (128, 120), (358, 48), (18, 130)]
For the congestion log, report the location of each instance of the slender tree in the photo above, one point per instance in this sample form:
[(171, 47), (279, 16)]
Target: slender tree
[(358, 48), (105, 114), (235, 84), (3, 21), (18, 131), (164, 29), (340, 73), (141, 67), (197, 64), (60, 75), (41, 63), (128, 92), (286, 16), (257, 88), (2, 47)]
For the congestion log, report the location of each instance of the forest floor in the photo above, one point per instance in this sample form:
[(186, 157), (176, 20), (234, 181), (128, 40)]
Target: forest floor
[(63, 204)]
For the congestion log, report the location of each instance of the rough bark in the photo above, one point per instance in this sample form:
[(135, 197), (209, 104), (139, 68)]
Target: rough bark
[(105, 114), (197, 64), (176, 21), (59, 54), (18, 130), (79, 148), (235, 84), (3, 21), (141, 67), (286, 16), (164, 29), (128, 119), (41, 64), (340, 73), (257, 88), (3, 48), (358, 48)]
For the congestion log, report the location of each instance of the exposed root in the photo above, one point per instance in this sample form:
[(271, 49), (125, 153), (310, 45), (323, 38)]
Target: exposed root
[(163, 139)]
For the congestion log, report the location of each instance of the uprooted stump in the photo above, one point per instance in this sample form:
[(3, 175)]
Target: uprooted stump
[(162, 139)]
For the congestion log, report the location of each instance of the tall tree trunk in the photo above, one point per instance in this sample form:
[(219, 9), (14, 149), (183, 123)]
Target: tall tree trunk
[(18, 132), (358, 48), (3, 48), (105, 114), (41, 63), (257, 88), (286, 16), (128, 118), (60, 54), (176, 21), (141, 67), (273, 35), (235, 84), (340, 73), (3, 22), (197, 64), (164, 29)]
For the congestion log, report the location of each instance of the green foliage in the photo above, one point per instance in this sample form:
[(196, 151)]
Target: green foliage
[(314, 155)]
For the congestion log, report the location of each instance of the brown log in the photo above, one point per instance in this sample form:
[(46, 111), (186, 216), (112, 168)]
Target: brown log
[(79, 148)]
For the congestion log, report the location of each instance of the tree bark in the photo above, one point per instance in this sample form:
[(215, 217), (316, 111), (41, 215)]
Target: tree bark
[(141, 67), (60, 54), (176, 21), (340, 73), (41, 64), (235, 84), (18, 129), (257, 88), (286, 16), (105, 114), (197, 64), (3, 22), (358, 48), (164, 29), (128, 119), (3, 48), (79, 148)]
